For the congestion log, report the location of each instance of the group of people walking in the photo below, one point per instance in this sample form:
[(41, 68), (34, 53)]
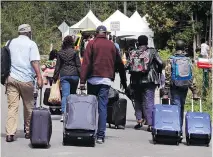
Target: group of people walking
[(97, 72)]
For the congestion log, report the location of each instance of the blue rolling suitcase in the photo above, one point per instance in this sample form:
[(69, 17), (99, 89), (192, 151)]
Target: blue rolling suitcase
[(198, 126), (166, 123)]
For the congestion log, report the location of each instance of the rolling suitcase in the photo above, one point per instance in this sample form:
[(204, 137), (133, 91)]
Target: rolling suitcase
[(40, 126), (80, 119), (116, 113), (166, 123), (198, 126)]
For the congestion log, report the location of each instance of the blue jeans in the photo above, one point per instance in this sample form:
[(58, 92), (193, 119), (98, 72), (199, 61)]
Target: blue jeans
[(102, 92), (178, 97), (69, 86)]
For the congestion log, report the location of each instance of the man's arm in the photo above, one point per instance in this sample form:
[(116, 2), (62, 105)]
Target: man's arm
[(86, 65), (35, 62), (78, 62), (121, 69), (36, 66)]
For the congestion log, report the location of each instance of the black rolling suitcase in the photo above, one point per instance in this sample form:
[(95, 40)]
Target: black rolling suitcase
[(40, 126), (116, 112)]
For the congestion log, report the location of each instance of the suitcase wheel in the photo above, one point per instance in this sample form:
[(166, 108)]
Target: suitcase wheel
[(187, 141), (154, 139), (177, 143), (110, 125), (207, 144), (64, 141), (93, 142)]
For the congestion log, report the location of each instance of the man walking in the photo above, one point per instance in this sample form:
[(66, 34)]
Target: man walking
[(24, 67), (179, 87), (98, 69)]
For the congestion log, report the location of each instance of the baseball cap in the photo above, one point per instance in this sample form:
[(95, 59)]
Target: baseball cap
[(24, 28), (101, 28)]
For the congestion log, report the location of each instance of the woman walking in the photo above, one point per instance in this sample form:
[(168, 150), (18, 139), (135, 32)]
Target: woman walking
[(68, 68)]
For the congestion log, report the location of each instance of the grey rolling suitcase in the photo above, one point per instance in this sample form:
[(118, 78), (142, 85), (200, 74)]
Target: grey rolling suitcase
[(80, 119), (40, 126)]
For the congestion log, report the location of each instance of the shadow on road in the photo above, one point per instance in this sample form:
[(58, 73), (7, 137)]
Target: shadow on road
[(39, 147), (19, 134)]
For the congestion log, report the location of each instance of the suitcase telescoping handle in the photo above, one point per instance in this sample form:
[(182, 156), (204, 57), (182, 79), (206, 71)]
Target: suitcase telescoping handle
[(161, 99), (200, 104), (40, 100)]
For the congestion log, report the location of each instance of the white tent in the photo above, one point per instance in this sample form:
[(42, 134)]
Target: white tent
[(90, 21), (117, 16), (141, 27), (144, 18)]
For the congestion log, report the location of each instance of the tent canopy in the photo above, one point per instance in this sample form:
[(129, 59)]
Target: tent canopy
[(90, 21), (139, 25), (117, 16)]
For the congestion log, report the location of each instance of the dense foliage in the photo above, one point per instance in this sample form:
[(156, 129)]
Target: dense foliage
[(169, 20)]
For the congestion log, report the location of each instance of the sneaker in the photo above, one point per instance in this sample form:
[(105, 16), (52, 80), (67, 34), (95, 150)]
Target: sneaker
[(138, 126), (62, 118), (100, 140), (149, 129)]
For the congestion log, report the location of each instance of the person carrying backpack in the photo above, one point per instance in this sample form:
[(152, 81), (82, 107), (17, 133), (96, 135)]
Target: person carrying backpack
[(101, 59), (144, 66), (179, 77), (24, 57)]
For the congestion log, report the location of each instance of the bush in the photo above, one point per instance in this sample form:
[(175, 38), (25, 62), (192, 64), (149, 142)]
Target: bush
[(164, 54)]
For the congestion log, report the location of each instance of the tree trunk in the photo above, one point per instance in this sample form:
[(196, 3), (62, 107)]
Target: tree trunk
[(125, 7), (198, 33), (194, 40)]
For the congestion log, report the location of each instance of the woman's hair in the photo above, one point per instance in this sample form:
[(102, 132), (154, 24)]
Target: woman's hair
[(68, 42), (53, 55)]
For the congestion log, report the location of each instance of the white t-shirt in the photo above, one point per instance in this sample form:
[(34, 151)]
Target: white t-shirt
[(204, 49), (23, 50)]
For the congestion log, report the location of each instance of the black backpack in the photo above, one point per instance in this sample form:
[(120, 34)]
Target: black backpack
[(5, 63)]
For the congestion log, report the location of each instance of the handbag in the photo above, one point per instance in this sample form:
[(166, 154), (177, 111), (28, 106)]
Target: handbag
[(55, 95)]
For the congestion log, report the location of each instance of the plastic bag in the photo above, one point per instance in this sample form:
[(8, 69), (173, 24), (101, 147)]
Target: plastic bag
[(55, 95)]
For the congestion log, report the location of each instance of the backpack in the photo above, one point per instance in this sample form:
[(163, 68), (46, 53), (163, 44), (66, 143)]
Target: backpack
[(5, 63), (181, 75), (139, 61)]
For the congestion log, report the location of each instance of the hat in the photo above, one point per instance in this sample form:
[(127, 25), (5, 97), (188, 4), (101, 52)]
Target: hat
[(24, 28), (101, 28)]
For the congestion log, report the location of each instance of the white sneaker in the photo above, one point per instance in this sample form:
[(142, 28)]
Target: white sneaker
[(62, 118), (100, 141)]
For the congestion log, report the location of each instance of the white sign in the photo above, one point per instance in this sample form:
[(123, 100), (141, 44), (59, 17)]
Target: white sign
[(74, 31), (115, 26), (63, 27)]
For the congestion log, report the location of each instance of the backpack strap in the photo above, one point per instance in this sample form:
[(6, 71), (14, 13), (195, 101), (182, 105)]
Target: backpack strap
[(8, 44)]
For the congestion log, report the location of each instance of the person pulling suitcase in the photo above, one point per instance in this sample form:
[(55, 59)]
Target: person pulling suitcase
[(98, 70)]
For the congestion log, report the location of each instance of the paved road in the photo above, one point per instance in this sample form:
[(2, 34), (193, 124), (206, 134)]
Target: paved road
[(119, 143)]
